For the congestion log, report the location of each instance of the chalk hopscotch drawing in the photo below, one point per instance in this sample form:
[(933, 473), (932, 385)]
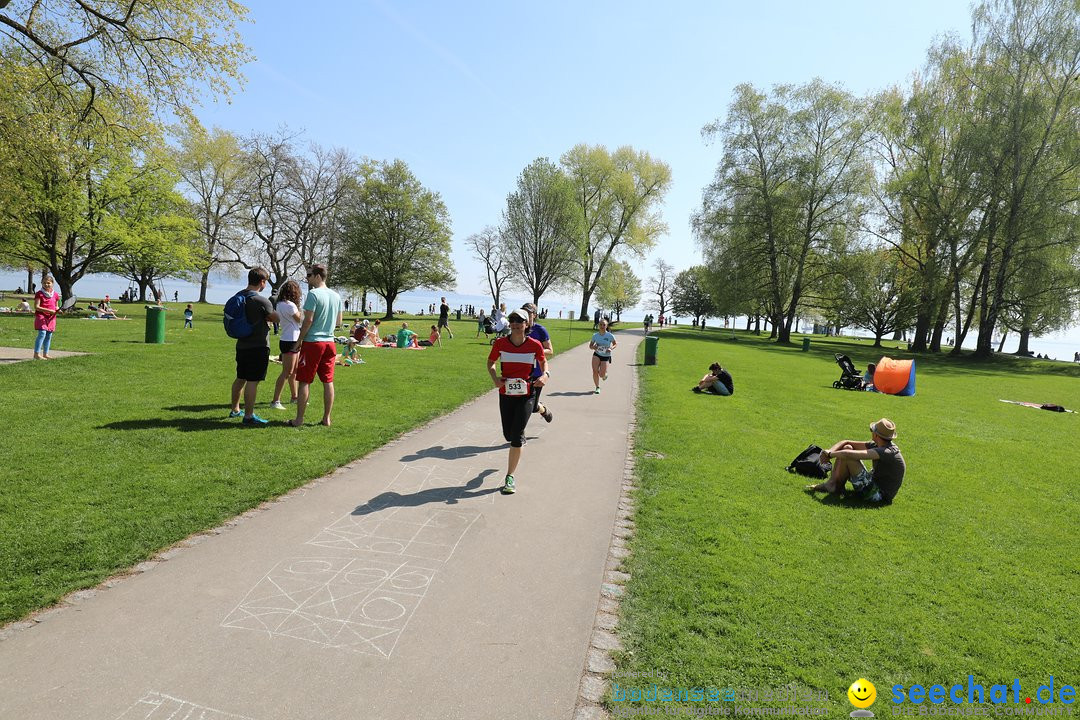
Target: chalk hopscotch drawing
[(156, 706), (393, 545), (358, 604)]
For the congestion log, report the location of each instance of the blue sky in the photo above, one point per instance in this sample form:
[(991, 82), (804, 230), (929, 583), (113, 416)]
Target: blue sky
[(469, 93)]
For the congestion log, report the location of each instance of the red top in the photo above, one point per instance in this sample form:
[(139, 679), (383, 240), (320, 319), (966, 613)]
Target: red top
[(517, 360), (49, 302)]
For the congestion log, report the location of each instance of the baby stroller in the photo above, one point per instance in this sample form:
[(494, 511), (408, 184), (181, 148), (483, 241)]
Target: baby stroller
[(488, 326), (850, 378)]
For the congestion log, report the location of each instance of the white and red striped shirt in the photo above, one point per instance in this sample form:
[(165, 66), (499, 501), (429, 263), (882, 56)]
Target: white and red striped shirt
[(517, 360)]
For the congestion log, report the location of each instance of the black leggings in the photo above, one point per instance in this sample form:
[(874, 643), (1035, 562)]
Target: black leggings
[(515, 412), (536, 390)]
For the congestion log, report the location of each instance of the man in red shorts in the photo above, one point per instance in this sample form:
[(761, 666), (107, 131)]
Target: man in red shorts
[(322, 315)]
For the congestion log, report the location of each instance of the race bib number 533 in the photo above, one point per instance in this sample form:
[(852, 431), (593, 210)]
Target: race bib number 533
[(517, 386)]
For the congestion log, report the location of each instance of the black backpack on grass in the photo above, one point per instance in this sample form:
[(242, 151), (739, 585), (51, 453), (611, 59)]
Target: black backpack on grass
[(810, 463)]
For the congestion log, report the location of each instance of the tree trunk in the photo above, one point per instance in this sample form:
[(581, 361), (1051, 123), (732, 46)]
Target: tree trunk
[(390, 298), (783, 337), (922, 325), (204, 281), (939, 326), (1004, 334), (29, 277), (585, 297), (65, 285), (1025, 335)]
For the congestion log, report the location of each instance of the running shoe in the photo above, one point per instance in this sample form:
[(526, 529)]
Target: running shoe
[(255, 420), (604, 378), (277, 405), (508, 486), (546, 414), (696, 389), (236, 413), (596, 391)]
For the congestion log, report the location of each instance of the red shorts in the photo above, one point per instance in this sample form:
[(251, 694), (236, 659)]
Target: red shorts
[(316, 357)]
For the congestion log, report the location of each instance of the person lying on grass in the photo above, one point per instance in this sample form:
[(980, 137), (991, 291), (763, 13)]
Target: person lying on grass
[(717, 381), (878, 485)]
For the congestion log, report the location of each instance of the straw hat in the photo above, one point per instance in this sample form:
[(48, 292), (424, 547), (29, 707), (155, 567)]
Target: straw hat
[(884, 428)]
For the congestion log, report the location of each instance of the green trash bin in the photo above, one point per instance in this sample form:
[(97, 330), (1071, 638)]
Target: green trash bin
[(651, 341), (805, 344), (155, 324)]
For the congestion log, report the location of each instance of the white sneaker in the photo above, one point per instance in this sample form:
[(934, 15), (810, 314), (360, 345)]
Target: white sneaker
[(277, 406)]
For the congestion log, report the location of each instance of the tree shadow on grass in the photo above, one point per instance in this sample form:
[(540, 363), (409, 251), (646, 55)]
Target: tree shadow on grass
[(863, 352), (181, 424), (198, 408), (450, 453), (444, 495)]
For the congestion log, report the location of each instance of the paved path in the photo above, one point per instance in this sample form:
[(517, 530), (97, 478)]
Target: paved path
[(402, 586), (11, 355)]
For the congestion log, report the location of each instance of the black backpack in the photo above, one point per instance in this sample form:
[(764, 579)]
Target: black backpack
[(810, 463)]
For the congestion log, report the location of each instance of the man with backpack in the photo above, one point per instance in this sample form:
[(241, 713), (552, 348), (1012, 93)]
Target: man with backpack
[(878, 485), (247, 318)]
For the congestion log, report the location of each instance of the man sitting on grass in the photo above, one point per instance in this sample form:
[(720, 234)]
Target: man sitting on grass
[(878, 485)]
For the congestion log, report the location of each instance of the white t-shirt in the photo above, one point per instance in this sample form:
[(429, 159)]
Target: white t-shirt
[(290, 326)]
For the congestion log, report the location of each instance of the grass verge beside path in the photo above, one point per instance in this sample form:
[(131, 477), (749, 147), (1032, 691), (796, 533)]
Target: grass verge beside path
[(112, 456), (741, 580)]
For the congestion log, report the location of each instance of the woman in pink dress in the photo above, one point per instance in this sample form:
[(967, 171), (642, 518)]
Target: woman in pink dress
[(46, 302)]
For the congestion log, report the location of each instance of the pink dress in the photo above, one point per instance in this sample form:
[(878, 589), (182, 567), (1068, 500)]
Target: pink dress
[(49, 302)]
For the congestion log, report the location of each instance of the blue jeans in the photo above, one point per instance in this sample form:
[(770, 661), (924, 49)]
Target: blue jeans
[(42, 342)]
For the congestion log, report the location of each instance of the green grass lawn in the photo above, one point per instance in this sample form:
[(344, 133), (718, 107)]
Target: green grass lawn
[(741, 580), (112, 456)]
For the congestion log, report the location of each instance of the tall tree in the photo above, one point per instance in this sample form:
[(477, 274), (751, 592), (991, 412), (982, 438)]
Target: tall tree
[(292, 206), (214, 172), (487, 247), (541, 226), (690, 294), (790, 187), (396, 234), (617, 195), (1026, 60), (1043, 294), (619, 288), (929, 195), (660, 285), (161, 52), (61, 177), (162, 238), (876, 293)]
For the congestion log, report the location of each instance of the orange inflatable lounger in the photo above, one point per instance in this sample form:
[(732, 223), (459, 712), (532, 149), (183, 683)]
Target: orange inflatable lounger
[(895, 377)]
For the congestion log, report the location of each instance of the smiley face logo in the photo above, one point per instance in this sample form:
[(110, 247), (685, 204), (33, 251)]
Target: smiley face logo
[(862, 693)]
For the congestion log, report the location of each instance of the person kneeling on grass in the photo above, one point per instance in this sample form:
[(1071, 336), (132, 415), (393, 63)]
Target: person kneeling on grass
[(878, 485), (717, 381)]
